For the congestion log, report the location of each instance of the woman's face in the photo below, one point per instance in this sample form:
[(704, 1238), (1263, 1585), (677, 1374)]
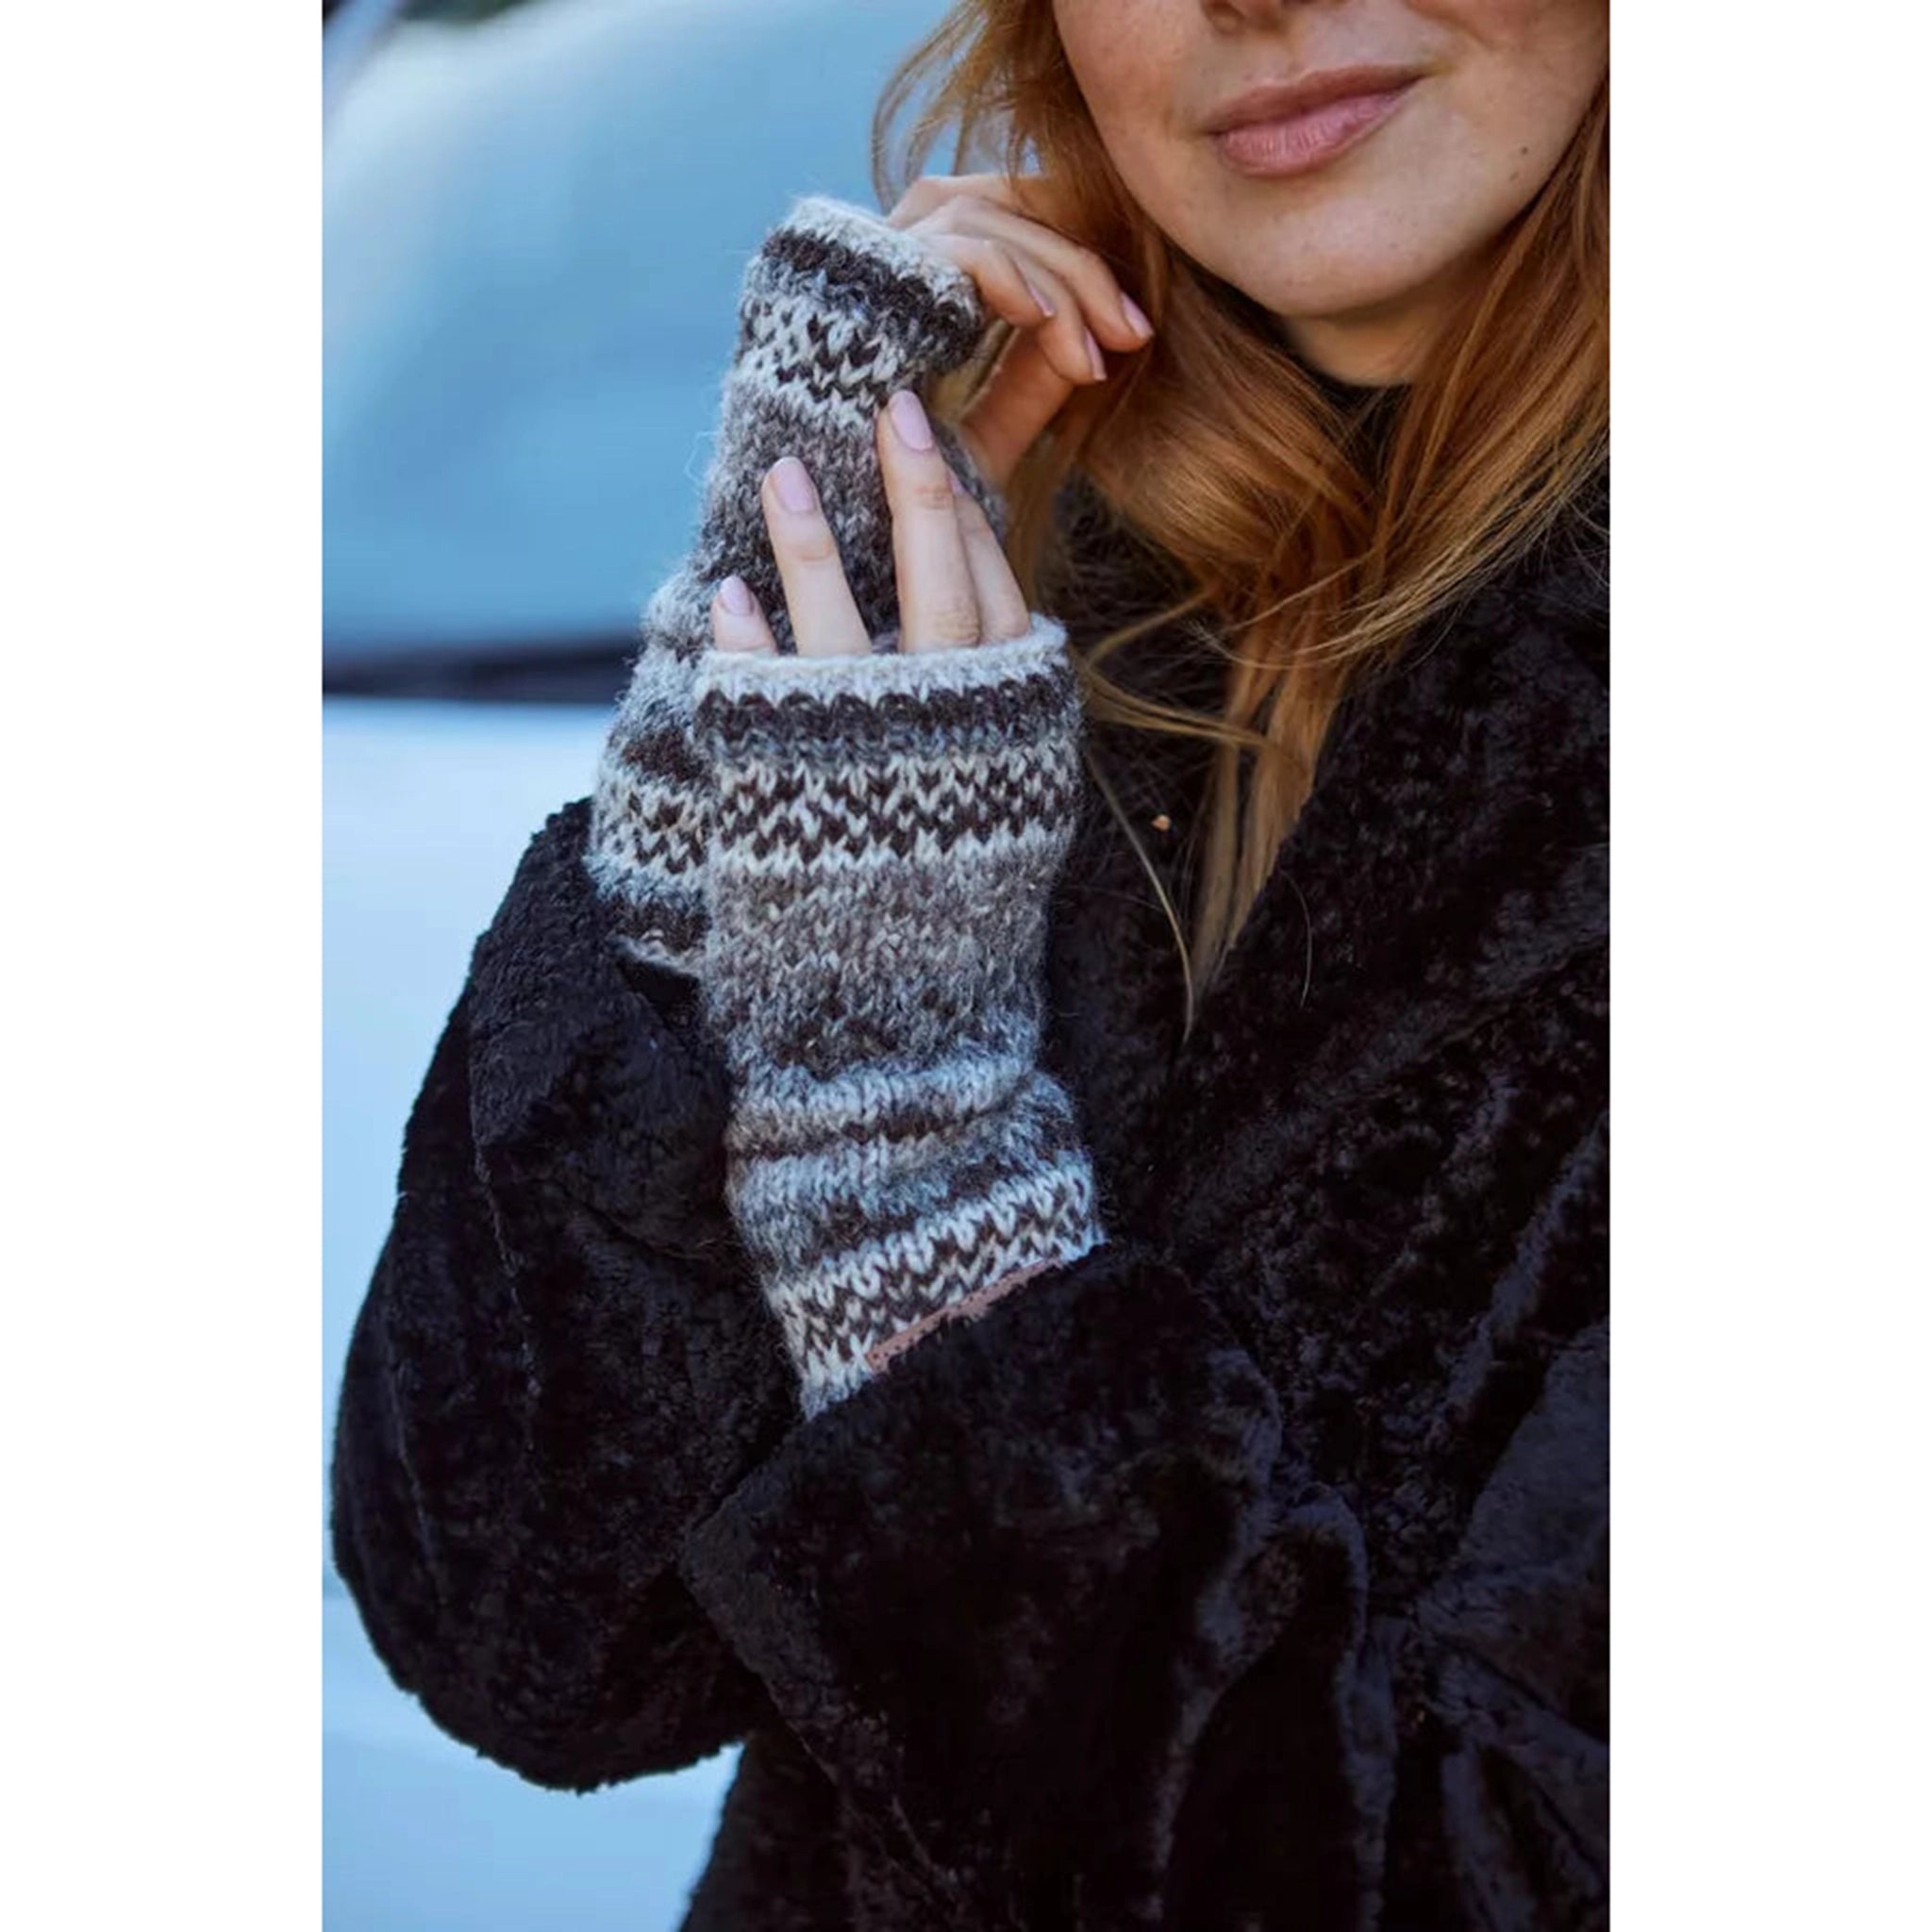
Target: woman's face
[(1356, 219)]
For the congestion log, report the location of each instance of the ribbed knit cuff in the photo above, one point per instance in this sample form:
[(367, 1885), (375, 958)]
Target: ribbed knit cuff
[(863, 1246), (887, 833)]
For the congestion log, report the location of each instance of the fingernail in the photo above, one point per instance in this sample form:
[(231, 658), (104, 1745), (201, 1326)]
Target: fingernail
[(1095, 357), (735, 595), (953, 477), (1047, 307), (1136, 320), (908, 419), (794, 484)]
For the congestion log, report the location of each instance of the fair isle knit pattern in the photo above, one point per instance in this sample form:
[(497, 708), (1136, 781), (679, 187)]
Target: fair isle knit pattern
[(837, 310), (887, 830)]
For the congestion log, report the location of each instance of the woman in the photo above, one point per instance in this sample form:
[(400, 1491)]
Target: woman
[(1030, 1240)]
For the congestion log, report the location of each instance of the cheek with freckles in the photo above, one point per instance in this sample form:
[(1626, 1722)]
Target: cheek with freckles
[(1514, 27), (1138, 62), (1145, 69), (1524, 74)]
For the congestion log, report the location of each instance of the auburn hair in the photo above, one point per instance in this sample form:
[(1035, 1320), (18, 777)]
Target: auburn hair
[(1310, 553)]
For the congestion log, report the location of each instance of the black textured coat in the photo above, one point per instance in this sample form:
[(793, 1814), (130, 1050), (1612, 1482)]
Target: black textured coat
[(1251, 1572)]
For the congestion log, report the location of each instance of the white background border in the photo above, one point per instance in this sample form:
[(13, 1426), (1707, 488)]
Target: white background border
[(162, 446)]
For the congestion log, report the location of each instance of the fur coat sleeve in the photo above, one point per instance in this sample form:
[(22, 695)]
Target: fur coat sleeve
[(557, 1372)]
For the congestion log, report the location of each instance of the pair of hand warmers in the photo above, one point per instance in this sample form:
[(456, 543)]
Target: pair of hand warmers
[(854, 855)]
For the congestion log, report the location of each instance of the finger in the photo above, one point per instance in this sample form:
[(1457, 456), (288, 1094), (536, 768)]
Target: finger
[(1031, 297), (938, 608), (1023, 395), (1003, 611), (1104, 303), (824, 619), (737, 623), (1033, 195), (1043, 250), (929, 190), (1067, 343)]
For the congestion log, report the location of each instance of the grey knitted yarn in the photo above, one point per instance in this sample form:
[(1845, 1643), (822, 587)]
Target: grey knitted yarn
[(886, 832), (838, 308)]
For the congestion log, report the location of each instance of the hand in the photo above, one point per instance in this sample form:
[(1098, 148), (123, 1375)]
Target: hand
[(1063, 299), (956, 587)]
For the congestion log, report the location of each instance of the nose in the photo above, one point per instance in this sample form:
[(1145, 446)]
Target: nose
[(1233, 14)]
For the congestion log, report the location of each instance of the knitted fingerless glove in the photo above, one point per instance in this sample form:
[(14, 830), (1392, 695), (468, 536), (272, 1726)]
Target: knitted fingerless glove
[(838, 308), (887, 831)]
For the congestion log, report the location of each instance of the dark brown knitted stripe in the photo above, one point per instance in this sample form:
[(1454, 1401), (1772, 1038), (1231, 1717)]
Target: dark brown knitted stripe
[(646, 837), (815, 814), (676, 923), (830, 1039), (665, 751), (829, 271), (636, 828), (891, 725)]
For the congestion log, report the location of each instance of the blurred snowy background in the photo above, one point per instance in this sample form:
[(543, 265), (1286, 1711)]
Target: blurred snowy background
[(535, 220)]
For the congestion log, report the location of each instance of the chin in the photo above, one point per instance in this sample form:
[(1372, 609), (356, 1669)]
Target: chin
[(1377, 245), (1332, 285)]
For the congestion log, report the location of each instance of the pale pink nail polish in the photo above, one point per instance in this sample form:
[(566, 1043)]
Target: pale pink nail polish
[(735, 595), (794, 484), (908, 419)]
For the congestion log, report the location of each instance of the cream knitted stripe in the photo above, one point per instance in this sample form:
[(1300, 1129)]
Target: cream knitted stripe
[(882, 1100)]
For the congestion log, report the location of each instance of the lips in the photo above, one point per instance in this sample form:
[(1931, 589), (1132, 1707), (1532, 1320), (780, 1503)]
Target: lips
[(1278, 128)]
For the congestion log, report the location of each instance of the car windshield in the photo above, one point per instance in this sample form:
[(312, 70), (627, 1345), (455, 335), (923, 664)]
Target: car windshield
[(535, 219)]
